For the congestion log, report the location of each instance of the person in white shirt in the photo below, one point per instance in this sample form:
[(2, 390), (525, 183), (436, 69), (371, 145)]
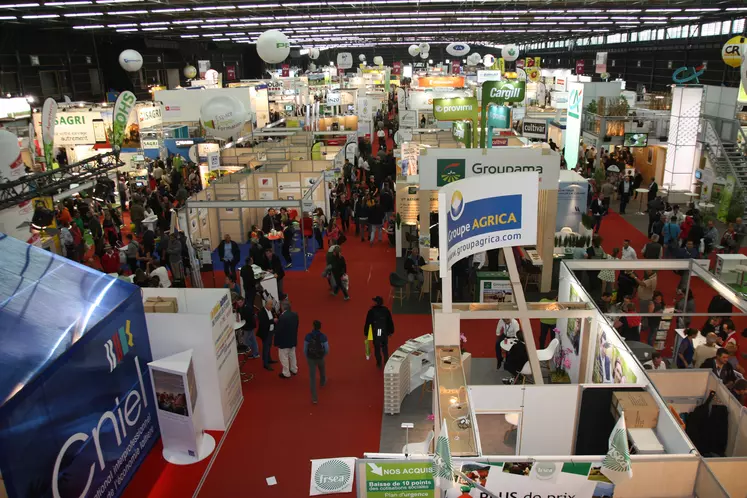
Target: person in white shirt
[(162, 273), (656, 362), (364, 168), (506, 329), (157, 172), (627, 251)]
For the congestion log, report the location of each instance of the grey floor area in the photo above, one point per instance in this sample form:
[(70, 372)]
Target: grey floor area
[(418, 406)]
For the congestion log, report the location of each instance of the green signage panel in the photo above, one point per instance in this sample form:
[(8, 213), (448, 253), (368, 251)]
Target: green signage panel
[(499, 92), (461, 131), (399, 480), (457, 109)]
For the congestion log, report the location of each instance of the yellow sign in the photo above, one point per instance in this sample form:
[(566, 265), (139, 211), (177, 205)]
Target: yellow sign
[(537, 61), (533, 74)]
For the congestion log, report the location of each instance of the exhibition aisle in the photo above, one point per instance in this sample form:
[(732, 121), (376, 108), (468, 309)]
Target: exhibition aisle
[(277, 430)]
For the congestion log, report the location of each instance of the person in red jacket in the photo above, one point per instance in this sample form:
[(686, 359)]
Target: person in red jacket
[(110, 260)]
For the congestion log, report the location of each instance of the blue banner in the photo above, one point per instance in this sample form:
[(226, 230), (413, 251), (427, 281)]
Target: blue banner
[(84, 425)]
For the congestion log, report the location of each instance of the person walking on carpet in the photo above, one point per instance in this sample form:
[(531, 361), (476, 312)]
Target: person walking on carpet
[(316, 349), (379, 319), (266, 332), (286, 339), (229, 253)]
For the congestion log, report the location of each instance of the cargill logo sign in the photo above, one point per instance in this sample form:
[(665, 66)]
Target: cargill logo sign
[(449, 170)]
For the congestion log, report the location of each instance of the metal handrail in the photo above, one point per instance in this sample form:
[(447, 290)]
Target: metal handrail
[(712, 141)]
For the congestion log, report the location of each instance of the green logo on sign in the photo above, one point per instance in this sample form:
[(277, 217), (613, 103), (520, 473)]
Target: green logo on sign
[(449, 170), (282, 45), (332, 476)]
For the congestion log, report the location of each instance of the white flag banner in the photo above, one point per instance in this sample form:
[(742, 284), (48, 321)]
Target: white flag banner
[(616, 465), (443, 470), (332, 476)]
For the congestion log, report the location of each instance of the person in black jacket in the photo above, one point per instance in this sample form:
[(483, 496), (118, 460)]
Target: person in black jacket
[(598, 210), (268, 222), (387, 202), (249, 339), (344, 209), (379, 320), (287, 241), (248, 280), (266, 331), (375, 220), (274, 265), (413, 264), (721, 367), (286, 339), (229, 253), (338, 269)]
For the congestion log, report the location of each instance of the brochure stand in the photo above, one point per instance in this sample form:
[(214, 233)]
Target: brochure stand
[(175, 391)]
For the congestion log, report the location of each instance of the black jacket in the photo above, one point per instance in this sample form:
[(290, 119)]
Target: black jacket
[(387, 202), (275, 266), (286, 330), (410, 264), (727, 371), (234, 248), (263, 331), (597, 208), (339, 267), (247, 314), (376, 215), (379, 317), (247, 277), (268, 223)]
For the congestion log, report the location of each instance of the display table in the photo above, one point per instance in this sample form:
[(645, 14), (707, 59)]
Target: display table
[(428, 270), (403, 369), (493, 287), (641, 191)]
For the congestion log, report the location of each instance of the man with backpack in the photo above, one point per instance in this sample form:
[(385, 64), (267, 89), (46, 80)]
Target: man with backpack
[(316, 348), (379, 320)]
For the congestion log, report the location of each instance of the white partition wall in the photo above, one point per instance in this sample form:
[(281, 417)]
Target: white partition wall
[(204, 324), (682, 153)]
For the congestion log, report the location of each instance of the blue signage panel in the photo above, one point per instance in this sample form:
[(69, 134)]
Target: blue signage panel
[(84, 425)]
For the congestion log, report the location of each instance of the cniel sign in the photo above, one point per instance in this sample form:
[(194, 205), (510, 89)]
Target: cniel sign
[(476, 215), (440, 167)]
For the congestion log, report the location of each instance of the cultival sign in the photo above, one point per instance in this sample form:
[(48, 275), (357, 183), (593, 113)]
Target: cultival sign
[(440, 167)]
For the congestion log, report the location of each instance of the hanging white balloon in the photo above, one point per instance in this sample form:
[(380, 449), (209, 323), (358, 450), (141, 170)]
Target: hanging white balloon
[(510, 52), (424, 47), (488, 60), (362, 57), (190, 71), (423, 55), (413, 50), (273, 46), (223, 116), (314, 53), (131, 60), (457, 49), (379, 60)]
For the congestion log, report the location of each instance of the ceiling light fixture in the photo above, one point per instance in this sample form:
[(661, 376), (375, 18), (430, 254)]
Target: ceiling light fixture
[(127, 30), (90, 26), (84, 14), (126, 12), (154, 29), (216, 7), (41, 16), (60, 4), (18, 5), (166, 11)]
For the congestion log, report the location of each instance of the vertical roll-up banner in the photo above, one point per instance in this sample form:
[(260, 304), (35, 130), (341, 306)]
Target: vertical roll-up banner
[(32, 142), (49, 115), (122, 107)]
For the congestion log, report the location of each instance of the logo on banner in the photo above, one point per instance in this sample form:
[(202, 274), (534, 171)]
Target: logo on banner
[(331, 476), (574, 103), (457, 205), (118, 346), (450, 170)]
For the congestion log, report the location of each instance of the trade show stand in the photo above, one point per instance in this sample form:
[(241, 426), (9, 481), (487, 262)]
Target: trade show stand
[(204, 323), (685, 390)]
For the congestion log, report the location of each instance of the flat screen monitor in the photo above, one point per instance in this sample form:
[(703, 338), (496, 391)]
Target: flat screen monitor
[(635, 140)]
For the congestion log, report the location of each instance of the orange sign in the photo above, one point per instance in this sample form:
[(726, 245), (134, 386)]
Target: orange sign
[(441, 82)]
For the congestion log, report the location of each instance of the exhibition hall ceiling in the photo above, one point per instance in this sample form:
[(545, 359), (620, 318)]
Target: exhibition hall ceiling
[(339, 23)]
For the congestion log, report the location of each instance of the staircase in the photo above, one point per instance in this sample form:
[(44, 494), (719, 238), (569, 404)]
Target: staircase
[(726, 158)]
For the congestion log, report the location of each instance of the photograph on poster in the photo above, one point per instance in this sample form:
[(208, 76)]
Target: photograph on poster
[(170, 392), (496, 291), (609, 365)]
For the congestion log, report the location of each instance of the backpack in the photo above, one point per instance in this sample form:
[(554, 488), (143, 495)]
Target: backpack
[(315, 349)]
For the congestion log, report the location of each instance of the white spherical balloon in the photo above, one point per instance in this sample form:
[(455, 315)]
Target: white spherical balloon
[(424, 55), (11, 164), (314, 53), (413, 50), (424, 47), (223, 116), (190, 72), (379, 60), (457, 49), (510, 52), (488, 60), (273, 46), (131, 60), (362, 57)]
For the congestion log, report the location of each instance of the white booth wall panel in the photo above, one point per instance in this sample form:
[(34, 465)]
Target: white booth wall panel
[(549, 420), (184, 105), (496, 398), (680, 383), (673, 478), (731, 474)]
